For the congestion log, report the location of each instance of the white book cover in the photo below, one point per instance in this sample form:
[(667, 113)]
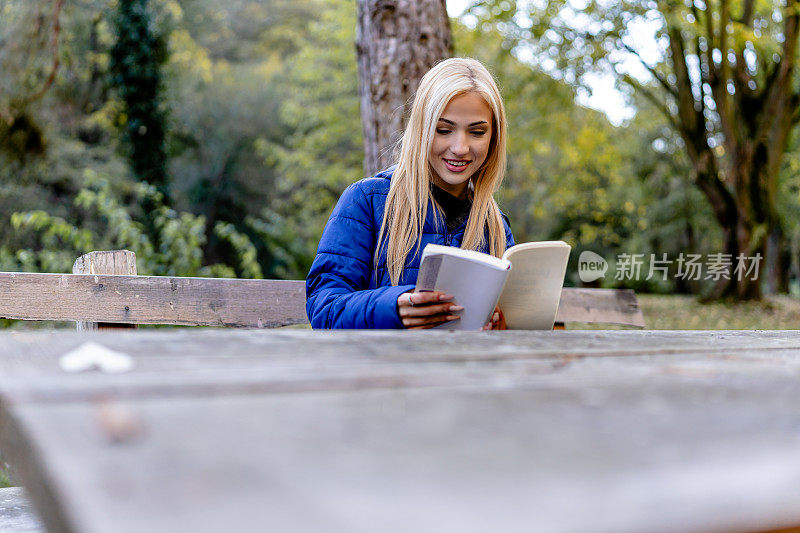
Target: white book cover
[(532, 274)]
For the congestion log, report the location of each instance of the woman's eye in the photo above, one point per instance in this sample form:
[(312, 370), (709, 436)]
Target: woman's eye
[(479, 133), (442, 131)]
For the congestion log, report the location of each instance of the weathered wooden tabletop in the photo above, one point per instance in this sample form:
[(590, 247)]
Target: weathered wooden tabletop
[(290, 430)]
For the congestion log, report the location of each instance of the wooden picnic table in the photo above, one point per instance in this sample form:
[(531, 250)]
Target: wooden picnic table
[(296, 430)]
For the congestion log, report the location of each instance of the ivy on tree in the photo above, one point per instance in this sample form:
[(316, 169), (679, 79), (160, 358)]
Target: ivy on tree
[(136, 61)]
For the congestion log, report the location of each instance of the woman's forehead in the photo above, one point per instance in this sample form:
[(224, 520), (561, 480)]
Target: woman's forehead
[(465, 106)]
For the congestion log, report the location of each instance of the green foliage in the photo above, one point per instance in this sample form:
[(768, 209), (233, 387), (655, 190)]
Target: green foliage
[(260, 111), (324, 152), (181, 236), (136, 61), (227, 82), (248, 263), (244, 31)]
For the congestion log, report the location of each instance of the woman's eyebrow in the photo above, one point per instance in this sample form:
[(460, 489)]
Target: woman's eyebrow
[(473, 124)]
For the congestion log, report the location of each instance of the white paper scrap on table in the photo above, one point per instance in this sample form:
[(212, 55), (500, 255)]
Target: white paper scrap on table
[(94, 356)]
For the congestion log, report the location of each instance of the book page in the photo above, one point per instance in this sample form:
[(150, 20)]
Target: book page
[(531, 294), (476, 285)]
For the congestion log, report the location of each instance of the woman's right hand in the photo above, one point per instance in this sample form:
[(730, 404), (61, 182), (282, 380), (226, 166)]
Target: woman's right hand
[(423, 310)]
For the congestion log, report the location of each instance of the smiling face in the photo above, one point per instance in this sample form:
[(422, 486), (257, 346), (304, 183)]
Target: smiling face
[(461, 142)]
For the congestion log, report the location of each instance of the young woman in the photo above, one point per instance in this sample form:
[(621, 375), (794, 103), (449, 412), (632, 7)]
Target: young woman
[(452, 158)]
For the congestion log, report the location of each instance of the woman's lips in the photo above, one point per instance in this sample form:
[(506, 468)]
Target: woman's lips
[(456, 168)]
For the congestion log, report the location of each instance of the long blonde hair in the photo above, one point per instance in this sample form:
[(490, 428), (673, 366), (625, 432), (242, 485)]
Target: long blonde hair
[(410, 192)]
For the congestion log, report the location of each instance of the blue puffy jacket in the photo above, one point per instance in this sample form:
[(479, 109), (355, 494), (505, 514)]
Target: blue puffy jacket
[(342, 288)]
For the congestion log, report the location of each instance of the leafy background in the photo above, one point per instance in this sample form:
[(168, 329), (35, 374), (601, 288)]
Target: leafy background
[(262, 133)]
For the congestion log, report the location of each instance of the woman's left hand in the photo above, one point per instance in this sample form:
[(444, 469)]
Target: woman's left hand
[(498, 320)]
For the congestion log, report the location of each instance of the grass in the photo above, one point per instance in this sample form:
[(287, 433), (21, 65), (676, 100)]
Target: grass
[(685, 312)]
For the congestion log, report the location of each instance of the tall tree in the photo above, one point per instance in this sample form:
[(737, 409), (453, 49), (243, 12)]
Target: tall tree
[(136, 62), (397, 41), (723, 77)]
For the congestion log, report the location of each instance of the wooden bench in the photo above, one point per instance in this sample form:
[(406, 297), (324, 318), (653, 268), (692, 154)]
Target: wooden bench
[(104, 288)]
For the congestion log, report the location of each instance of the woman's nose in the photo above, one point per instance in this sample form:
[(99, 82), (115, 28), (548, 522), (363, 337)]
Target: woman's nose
[(460, 145)]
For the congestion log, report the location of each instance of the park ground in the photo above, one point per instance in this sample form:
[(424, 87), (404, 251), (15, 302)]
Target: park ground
[(686, 312)]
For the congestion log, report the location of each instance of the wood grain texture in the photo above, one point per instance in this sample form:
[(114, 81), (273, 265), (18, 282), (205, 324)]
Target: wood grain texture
[(232, 362), (152, 300), (116, 262), (458, 431), (16, 513), (605, 306), (119, 262)]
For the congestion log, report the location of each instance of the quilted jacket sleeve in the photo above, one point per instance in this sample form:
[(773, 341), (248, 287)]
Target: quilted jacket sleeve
[(509, 237), (337, 293)]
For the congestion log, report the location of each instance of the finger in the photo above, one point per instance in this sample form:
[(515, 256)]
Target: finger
[(429, 326), (430, 321), (423, 298), (429, 310), (501, 319), (501, 324)]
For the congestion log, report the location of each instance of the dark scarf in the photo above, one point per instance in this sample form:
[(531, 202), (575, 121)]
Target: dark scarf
[(456, 210)]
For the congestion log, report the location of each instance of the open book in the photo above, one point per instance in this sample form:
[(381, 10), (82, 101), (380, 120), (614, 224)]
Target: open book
[(526, 282)]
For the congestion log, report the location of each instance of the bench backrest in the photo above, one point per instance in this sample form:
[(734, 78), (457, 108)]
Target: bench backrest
[(131, 299)]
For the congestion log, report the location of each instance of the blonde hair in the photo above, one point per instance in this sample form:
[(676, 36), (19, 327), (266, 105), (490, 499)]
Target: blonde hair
[(410, 192)]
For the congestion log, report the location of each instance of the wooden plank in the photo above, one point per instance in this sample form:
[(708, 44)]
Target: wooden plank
[(657, 441), (152, 300), (116, 262), (226, 354), (231, 362), (16, 513), (608, 306), (36, 354), (218, 302), (571, 431)]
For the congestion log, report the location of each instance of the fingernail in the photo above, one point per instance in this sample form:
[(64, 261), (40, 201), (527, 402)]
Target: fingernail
[(445, 297), (456, 308), (453, 317)]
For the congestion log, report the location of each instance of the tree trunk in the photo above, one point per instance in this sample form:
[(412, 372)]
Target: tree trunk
[(397, 42), (794, 263), (778, 269), (738, 227), (97, 86)]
